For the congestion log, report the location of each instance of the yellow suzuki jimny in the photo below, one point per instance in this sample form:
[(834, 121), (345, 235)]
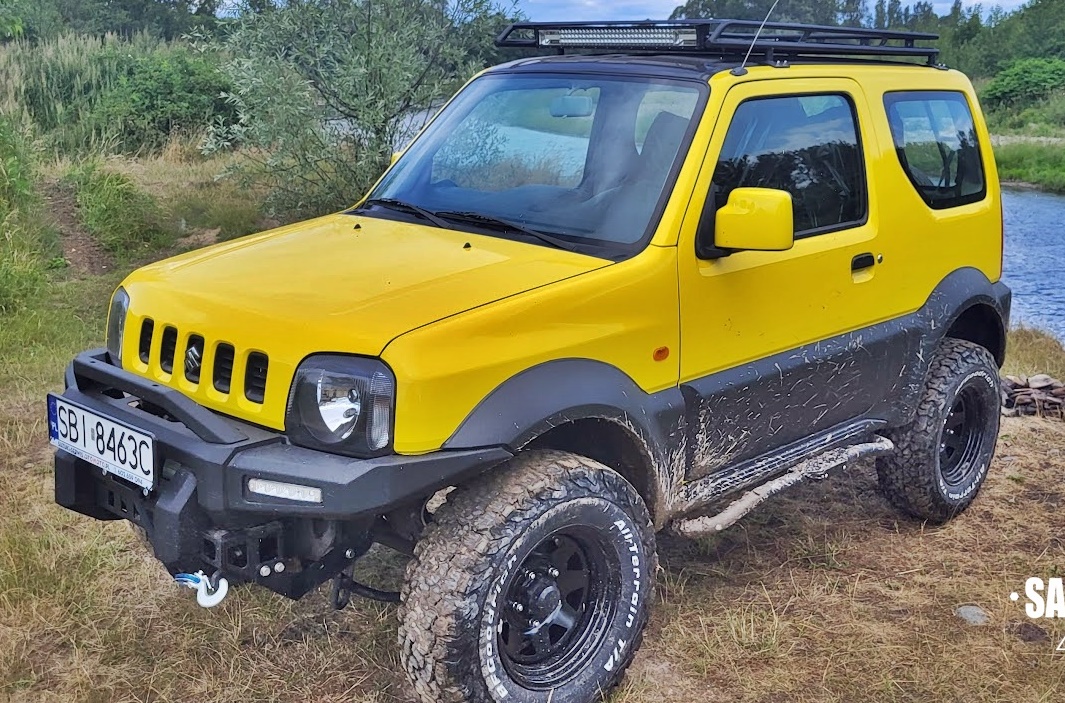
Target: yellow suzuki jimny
[(641, 281)]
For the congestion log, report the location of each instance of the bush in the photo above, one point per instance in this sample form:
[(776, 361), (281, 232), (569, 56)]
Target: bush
[(1045, 118), (1025, 82), (122, 217), (161, 93)]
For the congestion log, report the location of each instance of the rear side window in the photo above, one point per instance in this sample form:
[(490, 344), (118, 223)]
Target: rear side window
[(937, 146), (806, 145)]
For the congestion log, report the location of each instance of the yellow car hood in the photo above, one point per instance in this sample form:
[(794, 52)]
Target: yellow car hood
[(339, 283)]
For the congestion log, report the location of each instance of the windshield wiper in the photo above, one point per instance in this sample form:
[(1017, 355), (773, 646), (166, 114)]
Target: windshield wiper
[(404, 206), (502, 224)]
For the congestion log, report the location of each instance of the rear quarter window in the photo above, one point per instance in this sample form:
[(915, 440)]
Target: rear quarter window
[(935, 139)]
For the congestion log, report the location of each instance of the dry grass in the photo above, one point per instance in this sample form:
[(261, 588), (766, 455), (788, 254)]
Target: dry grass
[(1032, 351), (824, 595)]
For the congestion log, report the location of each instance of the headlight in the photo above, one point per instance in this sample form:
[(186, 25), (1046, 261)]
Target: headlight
[(342, 404), (116, 325)]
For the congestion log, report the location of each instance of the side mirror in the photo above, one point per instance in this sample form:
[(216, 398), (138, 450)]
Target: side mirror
[(758, 219)]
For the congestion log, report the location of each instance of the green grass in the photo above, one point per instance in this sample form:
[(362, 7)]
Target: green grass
[(122, 217), (214, 207), (1040, 164), (1045, 118), (25, 244)]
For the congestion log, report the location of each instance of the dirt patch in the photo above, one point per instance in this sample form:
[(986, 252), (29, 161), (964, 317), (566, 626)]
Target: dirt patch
[(198, 240), (82, 252)]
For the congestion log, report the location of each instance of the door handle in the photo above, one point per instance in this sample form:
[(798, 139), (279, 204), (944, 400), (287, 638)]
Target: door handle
[(862, 261)]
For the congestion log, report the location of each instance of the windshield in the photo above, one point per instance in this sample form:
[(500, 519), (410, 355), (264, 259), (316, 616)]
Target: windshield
[(586, 160)]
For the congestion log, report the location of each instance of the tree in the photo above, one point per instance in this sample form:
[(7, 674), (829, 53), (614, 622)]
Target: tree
[(853, 13), (326, 89), (807, 11)]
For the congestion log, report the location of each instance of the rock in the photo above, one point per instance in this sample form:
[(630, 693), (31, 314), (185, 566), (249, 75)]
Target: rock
[(1058, 392), (1040, 380), (1023, 398), (973, 615), (1029, 632), (1014, 381)]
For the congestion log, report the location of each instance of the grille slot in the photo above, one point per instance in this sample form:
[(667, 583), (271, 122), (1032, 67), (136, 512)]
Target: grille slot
[(255, 377), (194, 358), (223, 367), (168, 348), (144, 346)]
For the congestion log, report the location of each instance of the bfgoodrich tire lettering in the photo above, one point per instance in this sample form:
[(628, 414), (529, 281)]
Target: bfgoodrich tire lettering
[(942, 457), (491, 547)]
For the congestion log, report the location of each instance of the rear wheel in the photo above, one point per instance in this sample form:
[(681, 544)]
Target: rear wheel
[(531, 586), (942, 457)]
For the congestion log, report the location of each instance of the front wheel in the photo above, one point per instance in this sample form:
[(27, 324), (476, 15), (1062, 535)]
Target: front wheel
[(531, 586)]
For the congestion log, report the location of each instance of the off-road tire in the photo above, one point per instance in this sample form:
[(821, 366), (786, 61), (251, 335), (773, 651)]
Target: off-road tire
[(469, 558), (915, 477)]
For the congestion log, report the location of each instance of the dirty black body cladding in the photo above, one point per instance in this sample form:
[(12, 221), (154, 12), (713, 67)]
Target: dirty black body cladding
[(762, 406), (875, 373)]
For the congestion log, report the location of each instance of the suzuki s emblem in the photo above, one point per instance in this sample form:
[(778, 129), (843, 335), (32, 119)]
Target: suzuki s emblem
[(192, 361)]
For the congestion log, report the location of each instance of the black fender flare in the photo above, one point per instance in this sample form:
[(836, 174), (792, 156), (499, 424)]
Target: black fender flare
[(547, 395), (957, 293)]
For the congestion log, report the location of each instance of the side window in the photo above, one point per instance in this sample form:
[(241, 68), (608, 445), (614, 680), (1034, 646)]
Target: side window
[(937, 146), (806, 145)]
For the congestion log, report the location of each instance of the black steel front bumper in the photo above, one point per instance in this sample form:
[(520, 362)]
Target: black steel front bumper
[(200, 514)]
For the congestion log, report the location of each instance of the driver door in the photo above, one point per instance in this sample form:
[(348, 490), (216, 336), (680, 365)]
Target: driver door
[(771, 341)]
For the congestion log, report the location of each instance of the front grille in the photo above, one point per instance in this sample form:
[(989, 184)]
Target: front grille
[(144, 345), (223, 367), (167, 349), (255, 377), (195, 364)]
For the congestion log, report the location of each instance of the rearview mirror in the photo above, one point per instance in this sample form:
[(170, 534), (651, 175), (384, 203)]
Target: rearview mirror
[(758, 219), (572, 106)]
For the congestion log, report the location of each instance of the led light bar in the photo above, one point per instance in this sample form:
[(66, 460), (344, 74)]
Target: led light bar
[(620, 37), (723, 39), (287, 491)]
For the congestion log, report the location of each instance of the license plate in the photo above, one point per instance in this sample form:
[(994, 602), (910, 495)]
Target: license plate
[(115, 447)]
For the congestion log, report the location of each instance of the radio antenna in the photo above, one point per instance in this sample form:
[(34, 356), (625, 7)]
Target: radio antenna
[(742, 70)]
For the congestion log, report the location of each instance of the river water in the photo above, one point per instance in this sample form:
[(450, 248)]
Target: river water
[(1035, 258)]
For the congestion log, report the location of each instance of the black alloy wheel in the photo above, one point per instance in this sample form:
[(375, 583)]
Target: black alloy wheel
[(547, 630), (959, 449)]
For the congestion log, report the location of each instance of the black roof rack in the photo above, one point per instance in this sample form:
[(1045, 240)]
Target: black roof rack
[(720, 37)]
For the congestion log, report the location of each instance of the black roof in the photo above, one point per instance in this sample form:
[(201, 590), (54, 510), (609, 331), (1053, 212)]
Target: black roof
[(700, 44)]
